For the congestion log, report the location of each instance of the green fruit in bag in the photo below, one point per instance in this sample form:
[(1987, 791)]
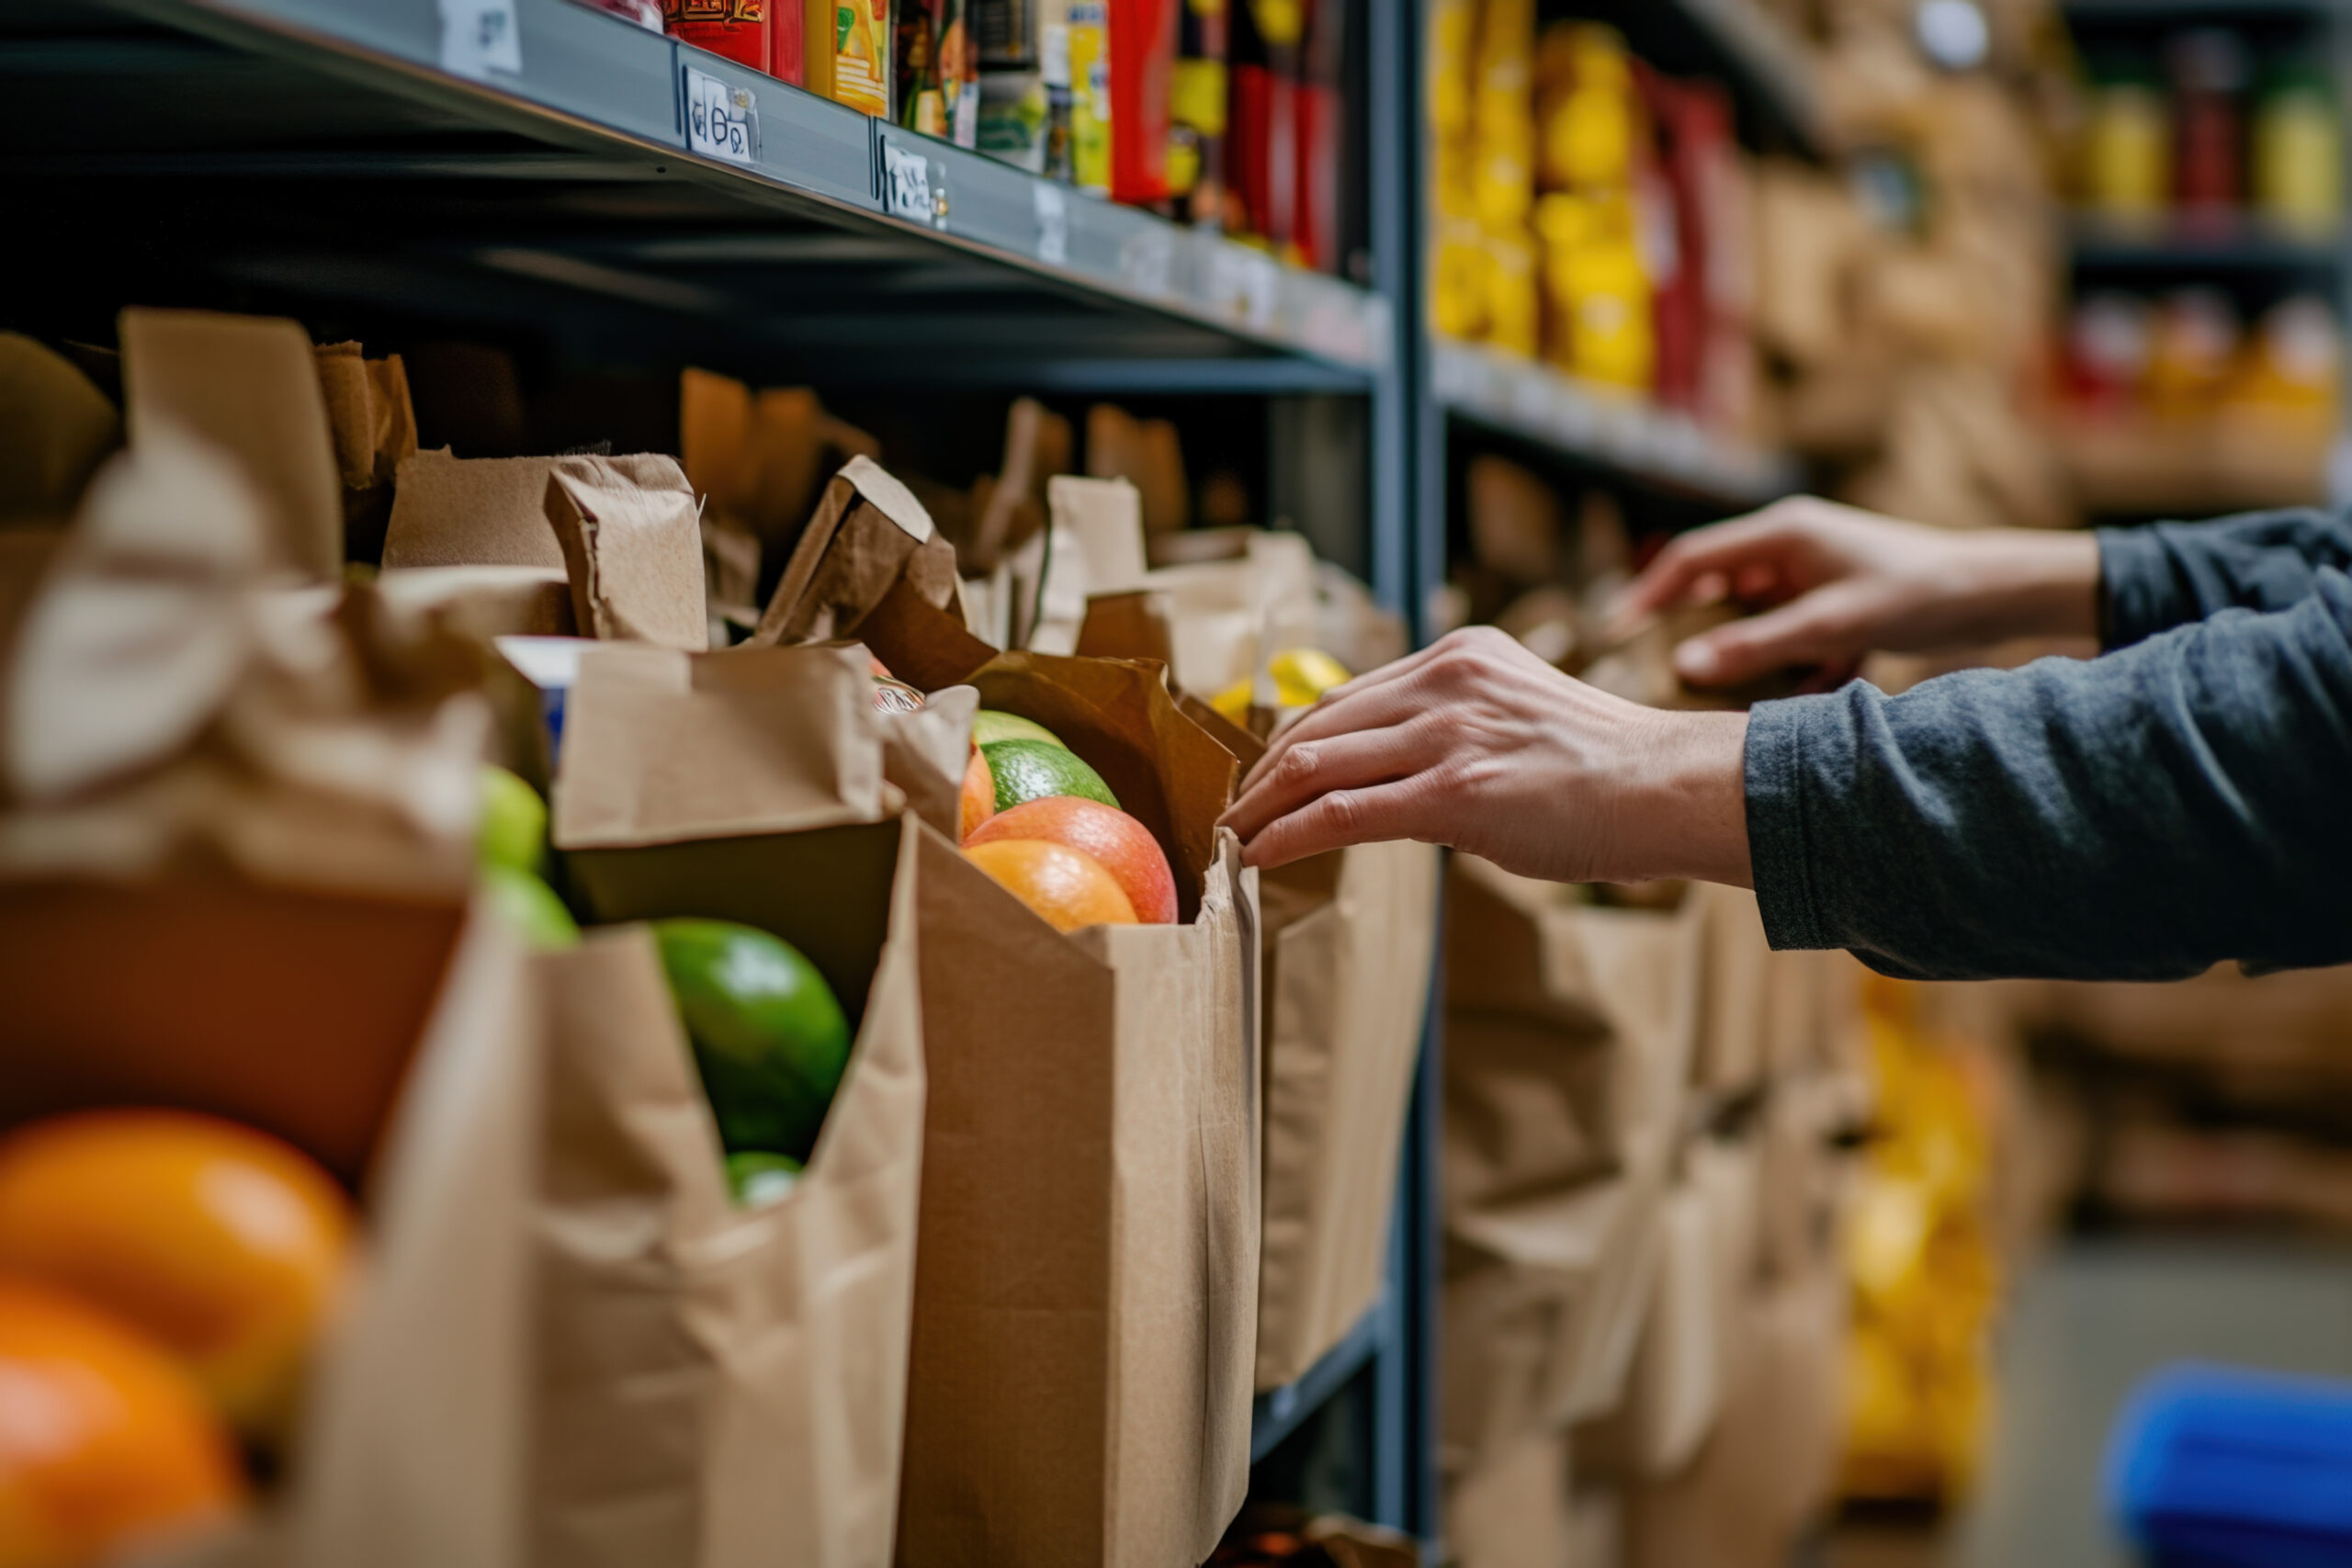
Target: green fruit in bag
[(514, 830), (770, 1039), (531, 907)]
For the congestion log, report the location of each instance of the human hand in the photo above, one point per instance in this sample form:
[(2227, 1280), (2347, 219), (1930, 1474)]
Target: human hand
[(1841, 583), (1476, 743)]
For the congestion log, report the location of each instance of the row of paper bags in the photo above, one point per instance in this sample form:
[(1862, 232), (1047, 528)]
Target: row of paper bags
[(1013, 1311)]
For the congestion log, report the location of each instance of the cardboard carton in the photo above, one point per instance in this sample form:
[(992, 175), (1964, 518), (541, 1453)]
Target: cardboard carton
[(717, 1385)]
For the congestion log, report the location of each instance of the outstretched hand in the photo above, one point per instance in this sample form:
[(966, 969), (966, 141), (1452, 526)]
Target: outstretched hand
[(1476, 743), (1837, 583)]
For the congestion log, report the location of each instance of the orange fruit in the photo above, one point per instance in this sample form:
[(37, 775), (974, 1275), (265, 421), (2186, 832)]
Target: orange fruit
[(224, 1246), (1113, 839), (978, 802), (1066, 889), (104, 1441)]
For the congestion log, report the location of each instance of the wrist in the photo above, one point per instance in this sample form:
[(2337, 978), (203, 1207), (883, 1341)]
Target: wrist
[(2031, 583), (1684, 811)]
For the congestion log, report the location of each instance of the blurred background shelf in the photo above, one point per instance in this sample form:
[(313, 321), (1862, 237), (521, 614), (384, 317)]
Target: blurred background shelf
[(1630, 437), (330, 136), (2102, 246), (1740, 44)]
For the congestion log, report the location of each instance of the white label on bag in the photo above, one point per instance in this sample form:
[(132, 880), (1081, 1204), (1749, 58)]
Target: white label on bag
[(1053, 223), (907, 189), (722, 121), (479, 36)]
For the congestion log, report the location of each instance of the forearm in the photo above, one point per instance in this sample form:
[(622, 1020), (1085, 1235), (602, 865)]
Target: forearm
[(2170, 574), (1684, 811), (2019, 582), (2141, 816)]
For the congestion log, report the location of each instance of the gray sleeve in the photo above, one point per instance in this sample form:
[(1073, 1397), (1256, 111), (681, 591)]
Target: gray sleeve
[(2140, 816), (2170, 574)]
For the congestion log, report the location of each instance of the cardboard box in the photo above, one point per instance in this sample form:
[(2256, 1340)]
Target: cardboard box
[(713, 1380)]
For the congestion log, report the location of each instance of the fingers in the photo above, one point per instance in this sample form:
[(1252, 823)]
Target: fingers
[(1733, 553), (1815, 628), (1384, 697), (1317, 767), (1334, 821)]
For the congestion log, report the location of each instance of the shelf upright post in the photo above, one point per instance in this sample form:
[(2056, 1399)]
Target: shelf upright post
[(1408, 472)]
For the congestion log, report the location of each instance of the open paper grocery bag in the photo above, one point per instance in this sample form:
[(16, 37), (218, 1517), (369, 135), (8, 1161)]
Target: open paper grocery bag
[(1569, 1029), (1086, 1286), (235, 865), (722, 1386), (1348, 942)]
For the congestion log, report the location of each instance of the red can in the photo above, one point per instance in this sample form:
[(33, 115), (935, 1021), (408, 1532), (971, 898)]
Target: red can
[(740, 29)]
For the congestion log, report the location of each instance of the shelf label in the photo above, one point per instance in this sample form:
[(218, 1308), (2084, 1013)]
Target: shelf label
[(479, 36), (910, 189), (1053, 223), (722, 121), (1147, 260), (1245, 282)]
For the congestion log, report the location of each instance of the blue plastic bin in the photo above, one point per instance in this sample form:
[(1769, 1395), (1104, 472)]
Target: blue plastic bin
[(2219, 1467)]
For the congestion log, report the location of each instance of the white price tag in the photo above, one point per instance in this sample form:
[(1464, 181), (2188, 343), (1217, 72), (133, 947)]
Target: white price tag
[(907, 189), (479, 36), (1245, 282), (722, 121), (1053, 223), (1145, 261)]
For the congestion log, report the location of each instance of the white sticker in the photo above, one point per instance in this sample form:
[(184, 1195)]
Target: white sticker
[(1245, 283), (894, 500), (906, 190), (722, 121), (479, 36), (1144, 260), (1053, 223)]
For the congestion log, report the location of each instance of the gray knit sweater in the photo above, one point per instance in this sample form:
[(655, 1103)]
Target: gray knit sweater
[(2184, 798)]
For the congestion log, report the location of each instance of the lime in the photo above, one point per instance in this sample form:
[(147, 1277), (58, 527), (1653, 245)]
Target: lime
[(531, 907), (758, 1178), (514, 829), (1032, 770), (989, 726), (768, 1035)]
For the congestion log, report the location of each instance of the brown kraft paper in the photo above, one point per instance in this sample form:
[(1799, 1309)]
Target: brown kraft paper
[(632, 546), (868, 535), (1569, 1035), (450, 511), (276, 840), (1087, 1290), (722, 1386)]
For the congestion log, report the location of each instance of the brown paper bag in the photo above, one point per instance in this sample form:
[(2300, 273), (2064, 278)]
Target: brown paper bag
[(374, 431), (869, 534), (249, 385), (450, 511), (56, 427), (720, 1387), (276, 840), (632, 546), (1569, 1033), (484, 602), (1087, 1287), (1515, 1512)]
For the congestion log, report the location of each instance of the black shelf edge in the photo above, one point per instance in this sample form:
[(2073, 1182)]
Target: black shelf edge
[(1277, 1413), (1656, 446)]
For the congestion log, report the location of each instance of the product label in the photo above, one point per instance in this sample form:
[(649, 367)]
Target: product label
[(1053, 223), (479, 36), (861, 55), (908, 187), (722, 121), (1089, 79), (714, 10)]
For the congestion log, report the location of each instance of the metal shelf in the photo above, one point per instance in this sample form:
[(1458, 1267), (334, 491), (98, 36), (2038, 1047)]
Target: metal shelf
[(1279, 1412), (1646, 442), (575, 170), (2100, 245)]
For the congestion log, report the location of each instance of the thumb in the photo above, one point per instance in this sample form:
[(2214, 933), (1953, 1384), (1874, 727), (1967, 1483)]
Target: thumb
[(1808, 630)]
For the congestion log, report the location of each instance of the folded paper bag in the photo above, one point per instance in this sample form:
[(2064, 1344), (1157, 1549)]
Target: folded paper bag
[(450, 511), (632, 546)]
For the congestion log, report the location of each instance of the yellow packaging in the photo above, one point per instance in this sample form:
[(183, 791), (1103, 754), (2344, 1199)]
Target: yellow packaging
[(846, 54), (1453, 28), (1513, 308), (1457, 279), (1596, 289), (1590, 115), (2298, 160), (2127, 154), (1090, 94)]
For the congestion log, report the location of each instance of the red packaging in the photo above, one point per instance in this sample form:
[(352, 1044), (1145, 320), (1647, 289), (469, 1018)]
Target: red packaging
[(1318, 135), (738, 29), (1143, 64), (1261, 136), (1671, 194), (786, 37)]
